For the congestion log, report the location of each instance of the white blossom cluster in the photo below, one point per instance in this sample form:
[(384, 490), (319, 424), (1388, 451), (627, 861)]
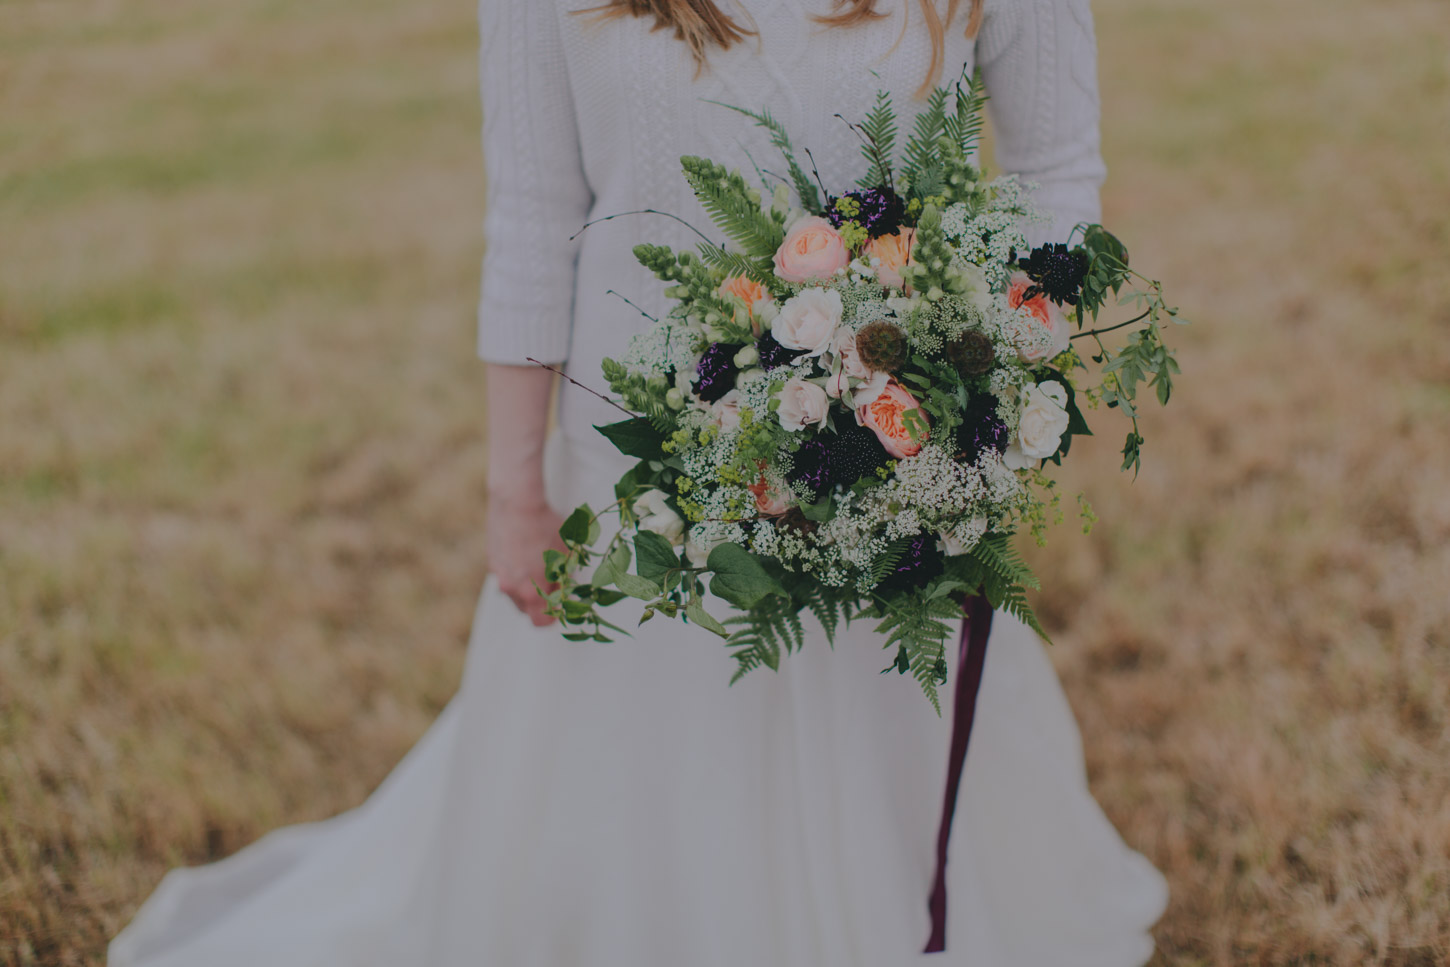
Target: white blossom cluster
[(672, 345)]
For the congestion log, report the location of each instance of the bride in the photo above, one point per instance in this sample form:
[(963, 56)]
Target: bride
[(586, 805)]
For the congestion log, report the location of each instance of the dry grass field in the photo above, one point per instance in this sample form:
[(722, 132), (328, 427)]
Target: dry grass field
[(241, 466)]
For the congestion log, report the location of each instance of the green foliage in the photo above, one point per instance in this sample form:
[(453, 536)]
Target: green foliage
[(918, 628), (735, 207), (729, 263), (804, 187), (697, 287), (639, 396), (635, 438), (921, 173), (879, 142), (740, 578), (931, 271), (996, 567), (763, 634)]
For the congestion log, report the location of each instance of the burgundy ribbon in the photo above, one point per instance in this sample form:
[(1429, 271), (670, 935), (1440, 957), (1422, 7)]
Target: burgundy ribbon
[(971, 657)]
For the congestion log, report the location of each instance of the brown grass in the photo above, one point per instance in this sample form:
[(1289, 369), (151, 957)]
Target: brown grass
[(241, 469)]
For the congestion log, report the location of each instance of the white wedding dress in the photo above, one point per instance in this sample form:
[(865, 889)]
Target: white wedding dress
[(586, 805)]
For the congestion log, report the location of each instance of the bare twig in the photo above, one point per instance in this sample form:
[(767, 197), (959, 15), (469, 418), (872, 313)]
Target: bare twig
[(631, 305), (647, 211), (586, 389), (1099, 332)]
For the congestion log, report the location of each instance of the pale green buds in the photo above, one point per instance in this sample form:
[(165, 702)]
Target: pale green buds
[(674, 399), (747, 357)]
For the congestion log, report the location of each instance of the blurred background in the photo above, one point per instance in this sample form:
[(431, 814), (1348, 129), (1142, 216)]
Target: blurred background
[(241, 463)]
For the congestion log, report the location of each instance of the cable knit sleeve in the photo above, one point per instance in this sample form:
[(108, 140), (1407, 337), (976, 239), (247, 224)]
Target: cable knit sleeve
[(1039, 62), (537, 194)]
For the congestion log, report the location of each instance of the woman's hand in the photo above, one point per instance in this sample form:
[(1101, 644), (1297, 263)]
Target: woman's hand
[(521, 525), (520, 529)]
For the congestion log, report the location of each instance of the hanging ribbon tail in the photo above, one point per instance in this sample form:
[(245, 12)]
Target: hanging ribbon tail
[(971, 658)]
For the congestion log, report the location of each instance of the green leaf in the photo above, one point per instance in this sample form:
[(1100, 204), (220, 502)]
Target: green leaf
[(696, 612), (638, 587), (580, 527), (636, 438), (656, 556), (820, 512), (739, 577)]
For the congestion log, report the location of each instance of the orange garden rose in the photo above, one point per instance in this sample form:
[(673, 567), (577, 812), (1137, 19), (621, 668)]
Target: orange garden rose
[(752, 293), (744, 288), (768, 501), (886, 417), (894, 251)]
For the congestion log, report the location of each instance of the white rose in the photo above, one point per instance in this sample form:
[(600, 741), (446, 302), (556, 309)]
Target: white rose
[(655, 515), (802, 404), (698, 552), (808, 320), (1039, 431)]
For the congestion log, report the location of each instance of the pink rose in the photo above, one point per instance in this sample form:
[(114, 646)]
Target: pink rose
[(1045, 313), (886, 416), (802, 404), (812, 250), (725, 412), (848, 363), (893, 251)]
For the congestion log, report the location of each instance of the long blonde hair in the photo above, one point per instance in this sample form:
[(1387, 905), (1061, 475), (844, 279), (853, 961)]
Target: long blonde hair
[(701, 24)]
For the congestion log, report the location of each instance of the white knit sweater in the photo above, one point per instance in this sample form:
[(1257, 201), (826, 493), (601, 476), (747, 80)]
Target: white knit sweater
[(584, 119)]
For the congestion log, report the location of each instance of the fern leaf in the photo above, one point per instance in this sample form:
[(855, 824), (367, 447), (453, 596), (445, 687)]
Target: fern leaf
[(738, 263), (804, 187), (922, 153), (726, 197), (879, 131), (965, 127)]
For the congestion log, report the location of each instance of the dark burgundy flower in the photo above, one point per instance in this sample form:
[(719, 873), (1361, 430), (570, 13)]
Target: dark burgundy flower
[(837, 458), (981, 428), (882, 210), (1057, 271), (917, 567), (773, 354), (717, 371)]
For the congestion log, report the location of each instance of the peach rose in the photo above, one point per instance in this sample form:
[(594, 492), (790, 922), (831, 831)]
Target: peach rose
[(1045, 313), (812, 250), (894, 251), (886, 417), (755, 296), (768, 501)]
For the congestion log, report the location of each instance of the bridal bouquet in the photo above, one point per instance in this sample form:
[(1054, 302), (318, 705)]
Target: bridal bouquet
[(852, 408)]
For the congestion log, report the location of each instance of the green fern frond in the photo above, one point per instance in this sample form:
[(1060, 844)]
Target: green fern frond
[(1001, 559), (964, 128), (738, 263), (922, 154), (921, 628), (771, 628), (879, 130), (828, 610), (727, 198), (887, 562), (804, 187)]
